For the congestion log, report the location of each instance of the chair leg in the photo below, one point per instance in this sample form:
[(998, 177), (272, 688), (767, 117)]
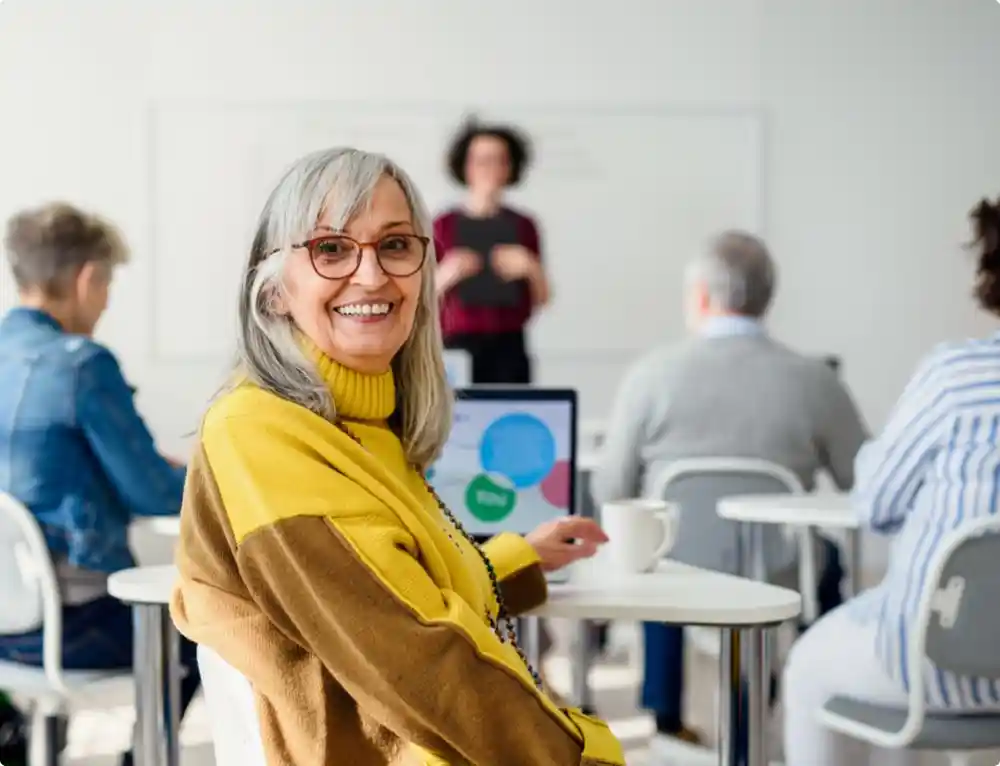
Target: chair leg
[(43, 742)]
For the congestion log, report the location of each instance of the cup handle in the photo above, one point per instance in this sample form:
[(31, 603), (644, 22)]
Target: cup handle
[(666, 518)]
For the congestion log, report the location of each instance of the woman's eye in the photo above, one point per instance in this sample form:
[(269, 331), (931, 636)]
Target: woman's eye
[(332, 247), (394, 244)]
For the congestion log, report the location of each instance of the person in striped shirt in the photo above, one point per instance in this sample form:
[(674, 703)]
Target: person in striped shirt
[(935, 467)]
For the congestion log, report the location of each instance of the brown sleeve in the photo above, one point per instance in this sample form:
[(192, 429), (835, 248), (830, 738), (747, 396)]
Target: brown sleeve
[(524, 590), (427, 681), (519, 570)]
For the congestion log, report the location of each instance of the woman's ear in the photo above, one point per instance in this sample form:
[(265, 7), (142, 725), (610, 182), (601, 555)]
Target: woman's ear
[(275, 303)]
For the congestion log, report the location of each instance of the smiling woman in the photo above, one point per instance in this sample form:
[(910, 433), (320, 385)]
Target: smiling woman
[(314, 556)]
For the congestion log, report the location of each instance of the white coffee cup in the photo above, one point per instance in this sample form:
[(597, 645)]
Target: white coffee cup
[(640, 532)]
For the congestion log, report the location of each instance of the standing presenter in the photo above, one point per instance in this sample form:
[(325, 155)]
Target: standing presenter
[(490, 276)]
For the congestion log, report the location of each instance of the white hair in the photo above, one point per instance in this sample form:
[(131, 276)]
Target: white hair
[(337, 183), (737, 273)]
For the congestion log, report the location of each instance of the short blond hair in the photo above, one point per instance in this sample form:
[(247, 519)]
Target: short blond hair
[(47, 246)]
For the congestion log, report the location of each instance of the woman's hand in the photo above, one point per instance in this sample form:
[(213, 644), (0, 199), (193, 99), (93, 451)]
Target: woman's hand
[(457, 266), (513, 262), (563, 541)]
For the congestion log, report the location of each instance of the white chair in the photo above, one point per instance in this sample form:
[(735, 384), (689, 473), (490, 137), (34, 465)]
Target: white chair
[(31, 601), (707, 540), (458, 368), (232, 710), (961, 591)]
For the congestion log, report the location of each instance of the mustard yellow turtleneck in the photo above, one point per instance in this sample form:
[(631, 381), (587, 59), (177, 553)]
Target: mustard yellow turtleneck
[(323, 570), (357, 395)]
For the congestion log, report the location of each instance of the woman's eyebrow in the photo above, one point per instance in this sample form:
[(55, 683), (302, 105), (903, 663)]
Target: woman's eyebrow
[(383, 228), (394, 224)]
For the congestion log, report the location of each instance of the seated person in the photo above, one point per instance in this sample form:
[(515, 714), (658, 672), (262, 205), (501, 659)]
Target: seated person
[(729, 391), (73, 448), (934, 467), (315, 557)]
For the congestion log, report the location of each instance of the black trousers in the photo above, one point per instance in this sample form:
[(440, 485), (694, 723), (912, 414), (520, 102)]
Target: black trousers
[(496, 357)]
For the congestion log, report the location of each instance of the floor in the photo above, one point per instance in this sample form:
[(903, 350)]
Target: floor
[(96, 736)]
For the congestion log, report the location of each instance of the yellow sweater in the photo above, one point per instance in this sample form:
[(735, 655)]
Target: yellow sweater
[(323, 570)]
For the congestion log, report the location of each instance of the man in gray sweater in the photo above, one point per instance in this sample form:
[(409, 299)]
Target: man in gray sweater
[(728, 391)]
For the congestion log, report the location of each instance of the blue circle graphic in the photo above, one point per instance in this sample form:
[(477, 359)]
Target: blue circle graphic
[(520, 447)]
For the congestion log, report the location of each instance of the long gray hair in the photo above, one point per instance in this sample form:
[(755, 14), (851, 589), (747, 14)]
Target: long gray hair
[(338, 182)]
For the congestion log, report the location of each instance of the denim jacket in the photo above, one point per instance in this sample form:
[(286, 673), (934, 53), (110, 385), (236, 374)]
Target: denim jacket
[(73, 449)]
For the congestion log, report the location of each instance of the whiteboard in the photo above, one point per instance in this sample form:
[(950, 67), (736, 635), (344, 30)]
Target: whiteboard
[(623, 198)]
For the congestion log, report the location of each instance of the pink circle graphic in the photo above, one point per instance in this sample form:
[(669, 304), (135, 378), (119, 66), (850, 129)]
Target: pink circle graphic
[(555, 486)]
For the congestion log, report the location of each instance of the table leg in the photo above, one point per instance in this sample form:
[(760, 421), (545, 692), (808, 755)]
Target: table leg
[(758, 680), (157, 682), (531, 640), (730, 683), (852, 546), (808, 583), (758, 566), (581, 658)]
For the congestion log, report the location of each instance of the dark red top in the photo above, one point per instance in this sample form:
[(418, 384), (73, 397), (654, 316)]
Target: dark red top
[(456, 317)]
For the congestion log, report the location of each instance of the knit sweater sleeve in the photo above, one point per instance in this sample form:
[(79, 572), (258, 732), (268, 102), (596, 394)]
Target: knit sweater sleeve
[(519, 571)]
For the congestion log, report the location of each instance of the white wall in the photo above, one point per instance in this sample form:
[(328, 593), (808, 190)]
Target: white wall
[(882, 120)]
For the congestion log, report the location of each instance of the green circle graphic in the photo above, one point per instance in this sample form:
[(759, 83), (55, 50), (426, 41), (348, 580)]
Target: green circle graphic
[(488, 499)]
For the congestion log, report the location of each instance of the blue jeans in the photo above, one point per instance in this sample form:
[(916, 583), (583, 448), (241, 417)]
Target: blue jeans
[(99, 635), (663, 674)]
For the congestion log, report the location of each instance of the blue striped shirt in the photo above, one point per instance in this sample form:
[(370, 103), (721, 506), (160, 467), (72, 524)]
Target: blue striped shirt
[(935, 467)]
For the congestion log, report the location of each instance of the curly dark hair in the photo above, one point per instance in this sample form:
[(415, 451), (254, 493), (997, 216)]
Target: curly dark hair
[(986, 240), (518, 149)]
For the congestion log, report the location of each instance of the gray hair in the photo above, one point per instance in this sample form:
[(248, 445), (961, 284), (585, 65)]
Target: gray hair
[(737, 273), (338, 182), (47, 246)]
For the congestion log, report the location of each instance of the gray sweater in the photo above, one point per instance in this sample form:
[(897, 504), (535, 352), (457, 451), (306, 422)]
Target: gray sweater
[(731, 396)]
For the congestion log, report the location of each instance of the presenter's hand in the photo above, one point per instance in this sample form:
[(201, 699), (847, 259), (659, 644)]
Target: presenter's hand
[(458, 265), (513, 262), (562, 541)]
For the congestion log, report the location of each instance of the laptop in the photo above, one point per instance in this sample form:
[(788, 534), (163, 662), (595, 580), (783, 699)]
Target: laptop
[(510, 461)]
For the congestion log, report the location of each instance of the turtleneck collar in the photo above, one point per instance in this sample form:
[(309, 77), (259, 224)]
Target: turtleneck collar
[(356, 395)]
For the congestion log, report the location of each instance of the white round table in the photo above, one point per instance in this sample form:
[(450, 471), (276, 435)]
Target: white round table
[(827, 510), (682, 595), (157, 662), (165, 526)]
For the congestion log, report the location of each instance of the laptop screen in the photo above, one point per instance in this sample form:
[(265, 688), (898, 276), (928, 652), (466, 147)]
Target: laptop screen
[(508, 464)]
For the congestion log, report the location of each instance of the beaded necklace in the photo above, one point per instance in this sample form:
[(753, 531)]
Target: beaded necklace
[(503, 625)]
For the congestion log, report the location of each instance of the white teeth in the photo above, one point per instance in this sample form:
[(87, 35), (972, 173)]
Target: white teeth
[(364, 309)]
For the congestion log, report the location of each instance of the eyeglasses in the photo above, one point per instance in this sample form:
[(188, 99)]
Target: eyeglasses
[(337, 256)]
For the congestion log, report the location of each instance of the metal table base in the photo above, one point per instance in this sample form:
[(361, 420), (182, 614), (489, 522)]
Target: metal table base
[(743, 659), (157, 686)]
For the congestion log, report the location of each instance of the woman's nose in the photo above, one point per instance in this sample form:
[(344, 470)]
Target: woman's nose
[(370, 272)]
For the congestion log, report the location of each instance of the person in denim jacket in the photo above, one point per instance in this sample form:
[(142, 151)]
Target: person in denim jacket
[(73, 448)]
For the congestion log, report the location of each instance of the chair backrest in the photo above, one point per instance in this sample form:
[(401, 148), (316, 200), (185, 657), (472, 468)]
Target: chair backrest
[(705, 539), (232, 710), (959, 605), (26, 571), (30, 589)]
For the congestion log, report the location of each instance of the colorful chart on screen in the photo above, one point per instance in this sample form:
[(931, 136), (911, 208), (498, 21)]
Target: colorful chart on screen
[(506, 466)]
